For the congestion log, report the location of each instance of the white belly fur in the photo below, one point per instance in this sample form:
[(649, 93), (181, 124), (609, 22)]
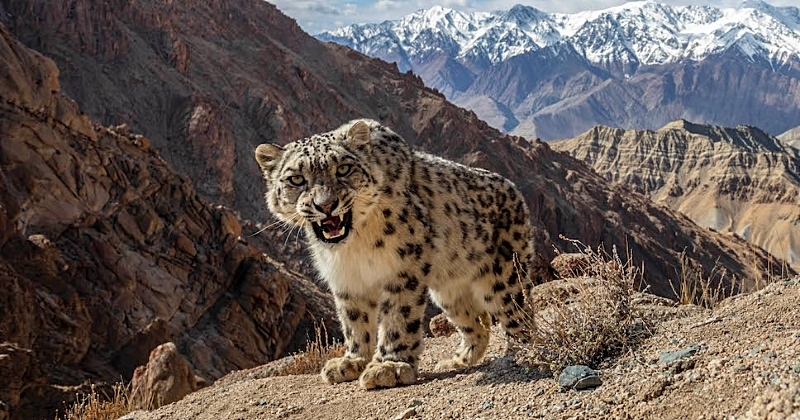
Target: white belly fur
[(355, 267)]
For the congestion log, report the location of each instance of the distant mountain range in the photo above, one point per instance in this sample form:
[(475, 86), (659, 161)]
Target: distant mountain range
[(639, 65), (791, 137), (737, 180)]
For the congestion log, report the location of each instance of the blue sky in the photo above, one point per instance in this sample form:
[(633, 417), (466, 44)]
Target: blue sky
[(317, 16)]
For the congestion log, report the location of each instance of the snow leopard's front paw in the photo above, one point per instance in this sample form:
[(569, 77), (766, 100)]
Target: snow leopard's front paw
[(343, 369), (387, 374)]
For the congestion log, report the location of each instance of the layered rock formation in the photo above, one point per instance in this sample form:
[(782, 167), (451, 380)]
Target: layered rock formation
[(737, 180), (106, 252)]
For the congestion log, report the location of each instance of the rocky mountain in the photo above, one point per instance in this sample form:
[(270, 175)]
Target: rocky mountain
[(262, 79), (205, 82), (791, 137), (738, 180), (639, 65), (106, 252)]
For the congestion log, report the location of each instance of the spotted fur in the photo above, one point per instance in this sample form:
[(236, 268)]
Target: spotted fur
[(419, 226)]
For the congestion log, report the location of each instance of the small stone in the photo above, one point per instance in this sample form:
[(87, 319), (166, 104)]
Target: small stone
[(410, 412), (415, 403), (667, 357), (487, 405), (652, 389), (579, 377)]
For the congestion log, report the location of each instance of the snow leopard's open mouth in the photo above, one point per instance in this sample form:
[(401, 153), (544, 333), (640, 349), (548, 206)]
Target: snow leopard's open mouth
[(333, 229)]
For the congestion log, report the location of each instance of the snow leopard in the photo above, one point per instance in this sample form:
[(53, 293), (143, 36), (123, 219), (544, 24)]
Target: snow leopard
[(387, 227)]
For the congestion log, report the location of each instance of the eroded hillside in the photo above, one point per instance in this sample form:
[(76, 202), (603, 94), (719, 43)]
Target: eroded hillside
[(738, 180)]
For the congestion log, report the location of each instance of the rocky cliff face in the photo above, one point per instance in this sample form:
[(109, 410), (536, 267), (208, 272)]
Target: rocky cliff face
[(737, 180), (106, 252)]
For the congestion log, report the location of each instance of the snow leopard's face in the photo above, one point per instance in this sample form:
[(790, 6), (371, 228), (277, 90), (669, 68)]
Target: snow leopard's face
[(320, 183)]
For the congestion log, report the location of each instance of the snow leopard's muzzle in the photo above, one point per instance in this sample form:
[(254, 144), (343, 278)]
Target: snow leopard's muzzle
[(332, 229)]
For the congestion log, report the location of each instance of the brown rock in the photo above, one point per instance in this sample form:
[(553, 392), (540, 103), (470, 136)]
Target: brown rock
[(185, 244), (230, 224), (166, 378), (105, 252)]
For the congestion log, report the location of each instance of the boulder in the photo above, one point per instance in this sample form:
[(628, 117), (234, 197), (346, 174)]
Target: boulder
[(166, 378)]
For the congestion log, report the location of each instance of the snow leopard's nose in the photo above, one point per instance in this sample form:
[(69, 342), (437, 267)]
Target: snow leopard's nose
[(328, 206)]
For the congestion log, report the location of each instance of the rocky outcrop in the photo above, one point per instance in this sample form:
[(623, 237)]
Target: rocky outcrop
[(106, 252), (737, 180), (166, 378)]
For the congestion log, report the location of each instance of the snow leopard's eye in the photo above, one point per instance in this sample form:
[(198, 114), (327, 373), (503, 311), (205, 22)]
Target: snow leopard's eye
[(297, 180), (343, 170)]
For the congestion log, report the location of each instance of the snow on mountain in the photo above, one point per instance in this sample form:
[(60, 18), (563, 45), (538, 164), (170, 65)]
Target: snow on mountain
[(642, 32)]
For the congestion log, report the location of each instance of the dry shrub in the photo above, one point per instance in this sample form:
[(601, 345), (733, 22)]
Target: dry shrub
[(96, 405), (594, 322), (696, 288), (318, 351)]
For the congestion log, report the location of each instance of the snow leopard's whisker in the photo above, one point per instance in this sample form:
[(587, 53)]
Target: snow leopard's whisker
[(258, 231), (289, 235), (266, 227), (278, 222), (288, 227)]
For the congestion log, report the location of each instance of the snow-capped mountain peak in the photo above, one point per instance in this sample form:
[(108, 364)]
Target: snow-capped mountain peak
[(641, 32)]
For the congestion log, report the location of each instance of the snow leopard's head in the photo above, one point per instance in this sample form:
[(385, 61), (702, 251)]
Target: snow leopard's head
[(325, 183)]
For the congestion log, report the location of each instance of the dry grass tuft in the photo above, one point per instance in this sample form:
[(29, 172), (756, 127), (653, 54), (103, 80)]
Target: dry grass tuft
[(594, 322), (697, 288), (317, 352), (96, 405)]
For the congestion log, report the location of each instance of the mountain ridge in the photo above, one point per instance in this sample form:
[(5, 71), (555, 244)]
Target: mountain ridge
[(639, 65), (739, 180), (654, 33)]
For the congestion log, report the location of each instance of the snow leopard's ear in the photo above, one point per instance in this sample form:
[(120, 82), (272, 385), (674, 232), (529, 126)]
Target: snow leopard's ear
[(358, 135), (267, 156)]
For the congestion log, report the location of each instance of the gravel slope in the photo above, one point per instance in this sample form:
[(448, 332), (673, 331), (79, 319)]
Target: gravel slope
[(747, 366)]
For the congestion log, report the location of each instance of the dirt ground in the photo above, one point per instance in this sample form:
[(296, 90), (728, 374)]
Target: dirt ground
[(746, 366)]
